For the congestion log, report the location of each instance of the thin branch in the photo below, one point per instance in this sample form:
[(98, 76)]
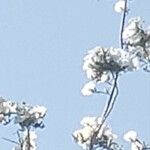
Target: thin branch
[(28, 139), (12, 141), (110, 101), (102, 92), (20, 139), (108, 109), (114, 99), (123, 24)]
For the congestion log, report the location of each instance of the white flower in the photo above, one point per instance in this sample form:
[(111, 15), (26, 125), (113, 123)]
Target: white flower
[(33, 135), (104, 77), (92, 129), (130, 136), (39, 111), (132, 28), (135, 63), (109, 134), (88, 88), (83, 134), (136, 146), (2, 118), (119, 6), (90, 73), (88, 121)]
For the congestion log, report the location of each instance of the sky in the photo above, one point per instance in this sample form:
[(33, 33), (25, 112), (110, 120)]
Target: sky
[(42, 45)]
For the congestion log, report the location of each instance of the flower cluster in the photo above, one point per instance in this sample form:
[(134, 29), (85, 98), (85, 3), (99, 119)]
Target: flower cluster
[(136, 144), (94, 134), (30, 116), (27, 117), (137, 39), (6, 109), (24, 115), (100, 64), (119, 6)]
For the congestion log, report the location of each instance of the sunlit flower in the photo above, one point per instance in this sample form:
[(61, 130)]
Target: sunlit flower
[(130, 136), (88, 88), (136, 146), (137, 41), (93, 132), (39, 111), (2, 118), (119, 6), (88, 121)]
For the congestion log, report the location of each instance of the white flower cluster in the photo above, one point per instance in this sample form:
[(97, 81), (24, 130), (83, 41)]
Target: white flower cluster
[(100, 63), (28, 141), (30, 116), (136, 39), (136, 144), (6, 109), (22, 114), (92, 134), (119, 6)]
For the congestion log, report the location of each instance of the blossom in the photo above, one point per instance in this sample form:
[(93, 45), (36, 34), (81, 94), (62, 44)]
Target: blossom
[(94, 132), (100, 64), (136, 146), (119, 6), (133, 33), (130, 136), (22, 114), (88, 121), (39, 111), (88, 88), (30, 116), (83, 134), (137, 39)]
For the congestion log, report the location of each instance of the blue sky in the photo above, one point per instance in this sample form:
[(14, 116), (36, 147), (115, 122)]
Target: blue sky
[(42, 45)]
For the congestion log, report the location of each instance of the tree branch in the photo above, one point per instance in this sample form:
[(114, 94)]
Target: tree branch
[(123, 24), (28, 139)]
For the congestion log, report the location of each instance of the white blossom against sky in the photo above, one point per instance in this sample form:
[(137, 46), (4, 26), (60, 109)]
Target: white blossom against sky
[(42, 45)]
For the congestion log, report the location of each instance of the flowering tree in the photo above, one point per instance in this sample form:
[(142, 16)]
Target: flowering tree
[(27, 117), (103, 67)]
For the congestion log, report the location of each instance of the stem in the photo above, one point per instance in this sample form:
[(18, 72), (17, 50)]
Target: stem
[(9, 140), (123, 24), (111, 100), (28, 139), (109, 107), (20, 140)]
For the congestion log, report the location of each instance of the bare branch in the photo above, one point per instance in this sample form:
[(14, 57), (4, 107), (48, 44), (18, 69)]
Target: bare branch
[(123, 23), (9, 140)]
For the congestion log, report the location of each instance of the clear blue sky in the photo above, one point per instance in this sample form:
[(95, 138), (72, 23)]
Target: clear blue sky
[(42, 45)]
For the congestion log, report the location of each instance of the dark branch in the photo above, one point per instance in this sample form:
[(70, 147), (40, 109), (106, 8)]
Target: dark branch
[(28, 139), (12, 141), (123, 24), (111, 100)]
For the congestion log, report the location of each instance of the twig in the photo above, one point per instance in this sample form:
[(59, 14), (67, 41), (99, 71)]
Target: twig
[(123, 24), (28, 139), (21, 142), (12, 141), (111, 100)]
